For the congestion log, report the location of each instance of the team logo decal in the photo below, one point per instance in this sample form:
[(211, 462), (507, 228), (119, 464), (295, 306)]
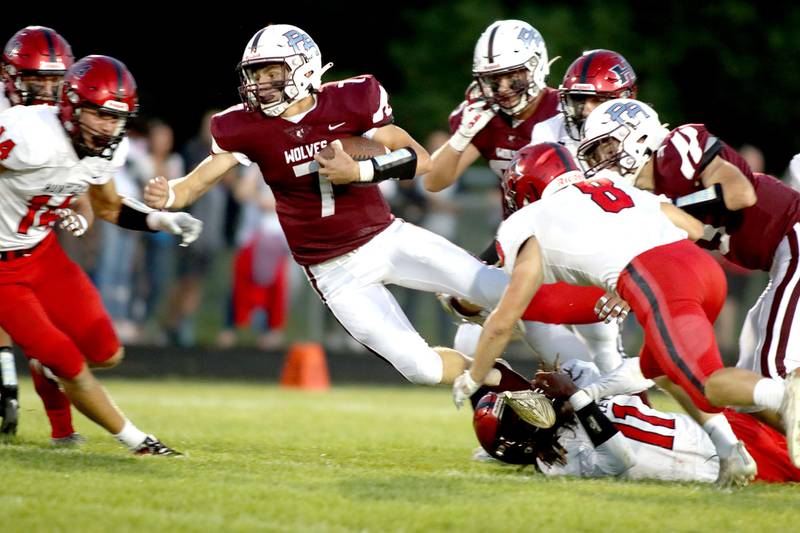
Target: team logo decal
[(297, 132), (629, 109), (528, 36), (623, 71), (295, 39)]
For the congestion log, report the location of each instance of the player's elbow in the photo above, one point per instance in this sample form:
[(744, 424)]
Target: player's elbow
[(742, 199), (433, 182), (423, 163)]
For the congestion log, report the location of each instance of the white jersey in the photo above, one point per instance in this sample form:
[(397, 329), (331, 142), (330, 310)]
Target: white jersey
[(5, 103), (588, 232), (42, 173), (667, 446), (554, 130)]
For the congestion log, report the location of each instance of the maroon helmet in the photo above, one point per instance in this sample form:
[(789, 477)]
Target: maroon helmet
[(597, 73), (105, 85), (34, 60), (538, 170)]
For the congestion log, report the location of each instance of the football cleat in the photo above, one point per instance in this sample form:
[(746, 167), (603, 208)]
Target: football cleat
[(738, 469), (790, 411), (70, 441), (453, 307), (152, 446), (9, 409)]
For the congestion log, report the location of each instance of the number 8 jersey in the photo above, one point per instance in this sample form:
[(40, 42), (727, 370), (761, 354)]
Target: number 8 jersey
[(321, 221), (42, 173), (589, 231)]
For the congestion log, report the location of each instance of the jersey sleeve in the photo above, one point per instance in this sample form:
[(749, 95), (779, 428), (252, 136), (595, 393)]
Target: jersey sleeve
[(373, 103), (223, 138), (24, 141), (513, 233), (683, 156)]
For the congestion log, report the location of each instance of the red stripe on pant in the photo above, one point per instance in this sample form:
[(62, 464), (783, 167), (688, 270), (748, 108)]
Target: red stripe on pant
[(561, 303), (676, 292)]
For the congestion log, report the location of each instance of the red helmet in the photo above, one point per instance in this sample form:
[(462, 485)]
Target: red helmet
[(536, 171), (601, 73), (103, 84), (34, 52), (502, 433)]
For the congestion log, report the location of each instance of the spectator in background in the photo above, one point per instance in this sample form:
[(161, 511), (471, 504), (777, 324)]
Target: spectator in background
[(158, 250), (261, 265), (194, 262), (114, 268)]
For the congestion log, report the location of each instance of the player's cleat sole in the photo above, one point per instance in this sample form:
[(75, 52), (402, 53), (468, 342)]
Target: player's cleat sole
[(452, 307), (153, 446), (70, 441), (738, 469), (790, 410)]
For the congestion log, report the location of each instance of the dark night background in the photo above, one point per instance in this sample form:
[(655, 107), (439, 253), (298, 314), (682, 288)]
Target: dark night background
[(730, 64)]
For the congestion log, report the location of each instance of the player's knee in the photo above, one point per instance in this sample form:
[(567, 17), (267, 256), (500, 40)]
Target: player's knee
[(425, 371), (715, 393), (112, 361), (83, 380)]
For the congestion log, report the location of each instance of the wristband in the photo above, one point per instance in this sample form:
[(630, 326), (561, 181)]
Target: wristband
[(459, 142), (170, 197)]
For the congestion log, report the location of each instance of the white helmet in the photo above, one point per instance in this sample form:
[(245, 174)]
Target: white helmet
[(507, 46), (636, 127), (286, 45)]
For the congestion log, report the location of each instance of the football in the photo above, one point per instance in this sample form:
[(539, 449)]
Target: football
[(359, 148)]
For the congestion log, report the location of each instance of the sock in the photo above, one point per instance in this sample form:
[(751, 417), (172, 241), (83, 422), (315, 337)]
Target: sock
[(56, 404), (130, 436), (722, 435), (768, 394)]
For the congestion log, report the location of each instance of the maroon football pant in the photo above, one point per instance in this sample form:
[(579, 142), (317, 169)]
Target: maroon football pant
[(676, 292), (53, 312)]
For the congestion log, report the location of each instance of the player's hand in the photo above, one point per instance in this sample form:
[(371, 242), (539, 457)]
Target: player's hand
[(71, 221), (554, 384), (156, 193), (473, 119), (464, 387), (340, 170), (182, 224), (610, 308)]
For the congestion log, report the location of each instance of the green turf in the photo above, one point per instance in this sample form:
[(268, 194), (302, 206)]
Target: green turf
[(353, 459)]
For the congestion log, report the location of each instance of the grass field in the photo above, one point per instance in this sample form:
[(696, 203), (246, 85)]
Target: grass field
[(354, 459)]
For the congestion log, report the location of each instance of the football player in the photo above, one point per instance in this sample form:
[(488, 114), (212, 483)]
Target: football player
[(751, 218), (506, 101), (606, 233), (337, 224), (48, 305), (619, 436), (33, 63)]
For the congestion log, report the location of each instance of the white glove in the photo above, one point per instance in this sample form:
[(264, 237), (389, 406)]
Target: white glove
[(182, 224), (627, 378), (464, 387), (473, 119), (610, 308), (71, 221)]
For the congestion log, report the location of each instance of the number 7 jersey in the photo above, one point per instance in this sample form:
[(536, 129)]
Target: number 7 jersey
[(42, 174), (321, 221)]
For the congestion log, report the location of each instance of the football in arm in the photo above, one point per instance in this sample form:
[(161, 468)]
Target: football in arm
[(359, 148)]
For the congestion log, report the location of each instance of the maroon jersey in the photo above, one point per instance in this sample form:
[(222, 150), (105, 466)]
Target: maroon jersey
[(747, 237), (321, 221), (502, 137)]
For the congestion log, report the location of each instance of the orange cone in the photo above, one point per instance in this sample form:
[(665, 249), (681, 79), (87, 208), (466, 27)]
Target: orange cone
[(305, 367)]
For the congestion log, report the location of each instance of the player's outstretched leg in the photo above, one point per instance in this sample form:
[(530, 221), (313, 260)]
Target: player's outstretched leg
[(56, 406)]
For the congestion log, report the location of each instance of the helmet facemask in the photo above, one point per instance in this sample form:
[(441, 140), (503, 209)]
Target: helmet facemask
[(522, 87), (299, 77), (33, 87), (573, 107), (89, 139), (621, 151)]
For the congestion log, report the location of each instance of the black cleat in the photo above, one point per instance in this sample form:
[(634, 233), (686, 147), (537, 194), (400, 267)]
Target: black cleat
[(9, 409), (153, 446)]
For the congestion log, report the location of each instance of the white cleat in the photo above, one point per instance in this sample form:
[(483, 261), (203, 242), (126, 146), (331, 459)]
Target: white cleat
[(738, 469), (790, 411)]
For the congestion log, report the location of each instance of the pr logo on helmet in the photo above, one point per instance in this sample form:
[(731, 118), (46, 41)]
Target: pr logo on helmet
[(528, 36), (631, 109), (296, 38)]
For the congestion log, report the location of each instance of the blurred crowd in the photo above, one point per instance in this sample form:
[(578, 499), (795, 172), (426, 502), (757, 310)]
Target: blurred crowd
[(237, 285)]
